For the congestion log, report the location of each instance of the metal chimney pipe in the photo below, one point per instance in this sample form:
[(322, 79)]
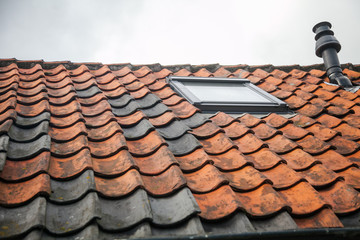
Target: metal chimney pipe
[(327, 47)]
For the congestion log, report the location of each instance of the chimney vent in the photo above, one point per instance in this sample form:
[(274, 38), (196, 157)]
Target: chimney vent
[(327, 47)]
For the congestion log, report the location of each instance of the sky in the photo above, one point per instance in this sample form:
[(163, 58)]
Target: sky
[(228, 32)]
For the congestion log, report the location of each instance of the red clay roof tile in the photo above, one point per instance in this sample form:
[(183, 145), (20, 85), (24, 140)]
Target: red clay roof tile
[(205, 179), (67, 121), (163, 119), (264, 159), (129, 78), (281, 94), (260, 73), (352, 177), (325, 218), (206, 130), (148, 79), (183, 72), (304, 95), (203, 73), (242, 73), (351, 74), (322, 132), (236, 130), (104, 132), (130, 119), (334, 160), (250, 121), (222, 72), (310, 110), (222, 119), (217, 144), (246, 179), (230, 160), (295, 102), (263, 131), (341, 197), (69, 133), (303, 199), (173, 100), (268, 87), (313, 80), (255, 80), (274, 81), (144, 70), (344, 146), (317, 73), (298, 73), (263, 201), (280, 144), (223, 198), (146, 145), (348, 131), (313, 145), (165, 183), (320, 176), (164, 92), (299, 159), (66, 149), (18, 193), (303, 121), (280, 74), (19, 170), (122, 72), (249, 143), (32, 110), (184, 110), (282, 176), (276, 120), (119, 186), (194, 160), (113, 165), (293, 132), (68, 109)]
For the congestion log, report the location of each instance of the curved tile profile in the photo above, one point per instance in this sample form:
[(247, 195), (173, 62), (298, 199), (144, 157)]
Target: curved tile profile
[(264, 131), (99, 120), (250, 120), (173, 209), (13, 194), (282, 176), (104, 132), (87, 93), (183, 145), (325, 218), (225, 200), (28, 134), (279, 222), (108, 147), (5, 126), (320, 176), (96, 109), (126, 212), (165, 183), (217, 144), (64, 168), (8, 115), (194, 160), (33, 110), (72, 190), (67, 134), (222, 119), (344, 146), (64, 122), (163, 119), (236, 130), (121, 101), (249, 143), (16, 221), (280, 144), (173, 130), (263, 201), (313, 145), (128, 109), (148, 101), (21, 170), (294, 133), (146, 145), (119, 186), (113, 165), (208, 129), (303, 199), (21, 151), (156, 110), (188, 228), (91, 100), (195, 120), (62, 219), (236, 223), (299, 159), (276, 120), (230, 160), (69, 148), (343, 198), (246, 179), (184, 110), (139, 130), (205, 179), (264, 159), (352, 177)]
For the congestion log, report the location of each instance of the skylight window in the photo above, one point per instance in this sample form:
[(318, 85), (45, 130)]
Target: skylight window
[(228, 95)]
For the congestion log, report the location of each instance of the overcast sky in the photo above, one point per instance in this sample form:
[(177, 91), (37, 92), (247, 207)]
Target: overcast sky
[(277, 32)]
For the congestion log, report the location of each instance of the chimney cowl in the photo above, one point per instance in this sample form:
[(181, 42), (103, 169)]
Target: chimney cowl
[(327, 47)]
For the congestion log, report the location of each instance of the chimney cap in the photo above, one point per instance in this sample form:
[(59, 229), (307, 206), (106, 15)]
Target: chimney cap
[(320, 24)]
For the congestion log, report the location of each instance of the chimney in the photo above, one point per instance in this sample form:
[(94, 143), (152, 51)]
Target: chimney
[(327, 47)]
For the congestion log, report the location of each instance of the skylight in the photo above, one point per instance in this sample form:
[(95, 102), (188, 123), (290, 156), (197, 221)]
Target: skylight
[(229, 95)]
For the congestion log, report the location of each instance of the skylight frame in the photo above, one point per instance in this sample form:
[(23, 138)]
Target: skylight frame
[(272, 105)]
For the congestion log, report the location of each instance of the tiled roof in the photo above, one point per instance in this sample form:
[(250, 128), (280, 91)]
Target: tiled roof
[(111, 151)]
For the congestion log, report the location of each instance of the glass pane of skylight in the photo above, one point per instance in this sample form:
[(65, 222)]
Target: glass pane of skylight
[(224, 92)]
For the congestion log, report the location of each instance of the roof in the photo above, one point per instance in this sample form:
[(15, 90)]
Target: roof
[(110, 151)]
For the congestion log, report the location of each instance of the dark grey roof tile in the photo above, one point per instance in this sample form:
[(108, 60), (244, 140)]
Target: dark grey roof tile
[(183, 145), (19, 151), (279, 222), (28, 134), (237, 223), (71, 190), (5, 126), (174, 130), (90, 232), (4, 143), (173, 209), (62, 219), (16, 221), (190, 227), (139, 231), (148, 101), (351, 220), (2, 160), (125, 212), (156, 110), (86, 93), (139, 130), (121, 101), (30, 122), (130, 108), (195, 120)]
